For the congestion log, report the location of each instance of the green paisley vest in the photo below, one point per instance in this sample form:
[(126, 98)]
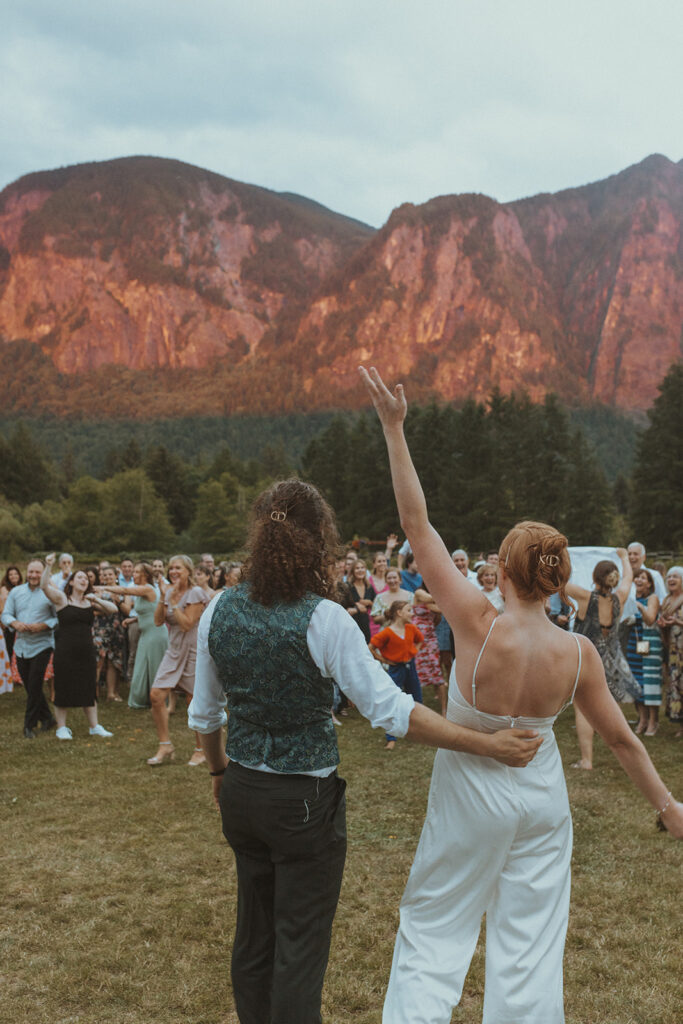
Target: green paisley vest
[(278, 699)]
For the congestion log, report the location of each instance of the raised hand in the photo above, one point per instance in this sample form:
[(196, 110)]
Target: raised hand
[(391, 409), (50, 560)]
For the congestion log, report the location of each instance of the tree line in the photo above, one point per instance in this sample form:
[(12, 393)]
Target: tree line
[(483, 466)]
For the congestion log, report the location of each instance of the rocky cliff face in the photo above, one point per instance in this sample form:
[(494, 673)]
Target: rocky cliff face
[(579, 292), (149, 264)]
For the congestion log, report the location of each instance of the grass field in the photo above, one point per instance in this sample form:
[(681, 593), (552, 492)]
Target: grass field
[(119, 890)]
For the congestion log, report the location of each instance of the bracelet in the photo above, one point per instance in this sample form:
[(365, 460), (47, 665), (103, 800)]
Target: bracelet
[(660, 824), (668, 801), (215, 774)]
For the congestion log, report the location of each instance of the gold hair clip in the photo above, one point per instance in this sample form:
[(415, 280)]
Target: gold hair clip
[(551, 560), (277, 516)]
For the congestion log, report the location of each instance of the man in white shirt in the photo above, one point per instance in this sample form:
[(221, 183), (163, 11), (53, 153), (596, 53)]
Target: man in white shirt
[(132, 627), (636, 557), (66, 566), (461, 561)]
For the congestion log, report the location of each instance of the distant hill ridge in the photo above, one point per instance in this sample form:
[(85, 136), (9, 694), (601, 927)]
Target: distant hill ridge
[(184, 292)]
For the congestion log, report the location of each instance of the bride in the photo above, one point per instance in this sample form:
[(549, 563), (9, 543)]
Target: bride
[(498, 840)]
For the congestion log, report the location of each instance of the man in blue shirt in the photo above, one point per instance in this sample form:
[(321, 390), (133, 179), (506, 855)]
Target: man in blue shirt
[(410, 577), (33, 618)]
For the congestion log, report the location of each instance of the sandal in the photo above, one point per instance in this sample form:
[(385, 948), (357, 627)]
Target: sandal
[(162, 755)]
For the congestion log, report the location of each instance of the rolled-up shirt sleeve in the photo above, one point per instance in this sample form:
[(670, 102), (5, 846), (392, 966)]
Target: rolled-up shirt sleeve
[(206, 713), (338, 648), (9, 614)]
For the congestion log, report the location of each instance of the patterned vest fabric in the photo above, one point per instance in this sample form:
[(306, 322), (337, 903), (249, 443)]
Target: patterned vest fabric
[(279, 701)]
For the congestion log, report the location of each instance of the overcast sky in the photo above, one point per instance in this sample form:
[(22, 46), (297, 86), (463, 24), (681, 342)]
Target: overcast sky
[(359, 104)]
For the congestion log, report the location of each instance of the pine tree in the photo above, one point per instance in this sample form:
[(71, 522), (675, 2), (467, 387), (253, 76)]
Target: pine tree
[(658, 474), (175, 483), (28, 474), (134, 517)]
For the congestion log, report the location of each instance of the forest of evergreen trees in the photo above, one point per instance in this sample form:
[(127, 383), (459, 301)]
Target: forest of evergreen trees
[(483, 467)]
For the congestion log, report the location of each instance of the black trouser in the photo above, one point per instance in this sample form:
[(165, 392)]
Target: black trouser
[(32, 672), (288, 834), (9, 635)]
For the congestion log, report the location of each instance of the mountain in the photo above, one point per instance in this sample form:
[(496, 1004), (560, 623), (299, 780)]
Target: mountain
[(144, 263), (181, 291)]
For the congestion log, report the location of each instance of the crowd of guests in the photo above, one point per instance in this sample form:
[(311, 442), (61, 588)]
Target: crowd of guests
[(143, 619), (87, 632)]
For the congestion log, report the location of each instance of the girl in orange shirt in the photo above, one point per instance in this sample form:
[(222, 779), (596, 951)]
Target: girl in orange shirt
[(396, 646)]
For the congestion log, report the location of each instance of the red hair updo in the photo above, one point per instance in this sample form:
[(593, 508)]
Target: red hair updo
[(536, 560)]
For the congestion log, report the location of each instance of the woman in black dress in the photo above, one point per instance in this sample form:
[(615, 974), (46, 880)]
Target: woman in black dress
[(75, 659), (361, 596)]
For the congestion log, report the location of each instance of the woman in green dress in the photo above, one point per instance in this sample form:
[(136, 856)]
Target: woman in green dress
[(153, 639)]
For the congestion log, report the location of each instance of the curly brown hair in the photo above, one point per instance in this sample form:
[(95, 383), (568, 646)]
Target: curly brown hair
[(293, 542)]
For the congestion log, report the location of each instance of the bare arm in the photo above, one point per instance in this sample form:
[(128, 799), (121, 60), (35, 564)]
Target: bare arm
[(214, 751), (581, 596), (99, 602), (651, 610), (515, 747), (52, 593), (624, 588), (146, 590), (460, 602), (188, 616), (392, 541), (594, 700)]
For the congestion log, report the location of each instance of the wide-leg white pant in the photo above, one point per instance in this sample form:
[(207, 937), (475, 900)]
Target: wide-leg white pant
[(496, 840)]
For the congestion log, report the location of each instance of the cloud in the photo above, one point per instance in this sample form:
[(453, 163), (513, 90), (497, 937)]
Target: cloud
[(358, 105)]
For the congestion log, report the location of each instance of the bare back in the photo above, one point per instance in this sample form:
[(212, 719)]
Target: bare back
[(527, 668)]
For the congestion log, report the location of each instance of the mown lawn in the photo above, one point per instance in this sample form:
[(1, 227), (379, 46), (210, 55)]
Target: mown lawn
[(119, 890)]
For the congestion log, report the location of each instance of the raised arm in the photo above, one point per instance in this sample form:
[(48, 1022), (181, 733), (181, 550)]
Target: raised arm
[(581, 596), (52, 593), (459, 601), (392, 541), (624, 588)]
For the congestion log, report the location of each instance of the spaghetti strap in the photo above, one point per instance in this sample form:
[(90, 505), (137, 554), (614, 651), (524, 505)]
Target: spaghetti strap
[(476, 664), (570, 700)]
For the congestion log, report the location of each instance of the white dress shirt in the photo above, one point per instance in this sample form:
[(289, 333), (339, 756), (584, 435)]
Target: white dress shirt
[(338, 649), (59, 581)]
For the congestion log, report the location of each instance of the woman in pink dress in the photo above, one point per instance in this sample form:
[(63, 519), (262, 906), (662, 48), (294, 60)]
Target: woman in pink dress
[(425, 616), (180, 607), (378, 581)]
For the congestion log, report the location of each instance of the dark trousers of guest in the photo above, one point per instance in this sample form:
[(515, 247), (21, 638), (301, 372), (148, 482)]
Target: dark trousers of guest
[(288, 834), (32, 672), (9, 635), (406, 678)]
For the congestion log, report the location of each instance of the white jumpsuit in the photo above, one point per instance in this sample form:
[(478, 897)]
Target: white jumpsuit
[(496, 841)]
